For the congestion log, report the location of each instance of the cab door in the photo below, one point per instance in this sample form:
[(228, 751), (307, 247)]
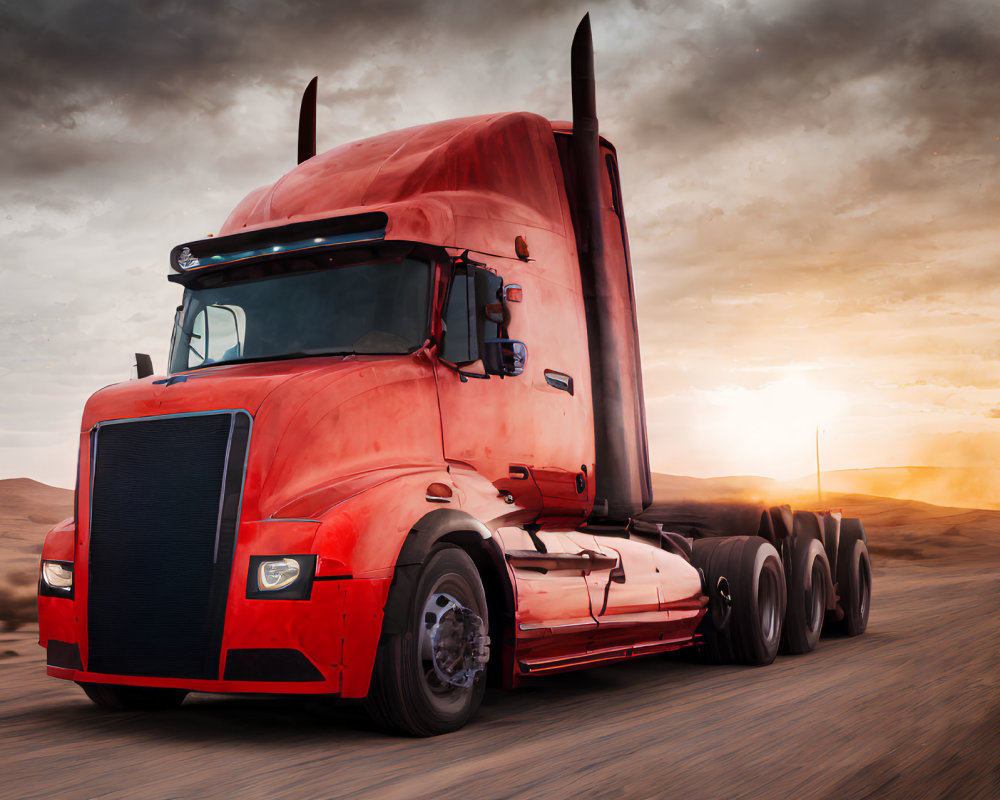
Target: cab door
[(486, 419), (530, 434)]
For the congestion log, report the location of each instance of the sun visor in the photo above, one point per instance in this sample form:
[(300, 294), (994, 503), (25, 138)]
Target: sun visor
[(298, 237)]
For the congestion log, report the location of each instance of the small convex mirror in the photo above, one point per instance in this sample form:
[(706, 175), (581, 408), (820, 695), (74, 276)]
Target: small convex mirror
[(504, 357), (143, 366)]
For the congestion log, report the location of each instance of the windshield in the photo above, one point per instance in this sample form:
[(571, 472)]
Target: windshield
[(378, 307)]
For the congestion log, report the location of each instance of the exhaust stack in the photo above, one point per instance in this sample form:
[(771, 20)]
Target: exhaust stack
[(621, 458), (307, 122)]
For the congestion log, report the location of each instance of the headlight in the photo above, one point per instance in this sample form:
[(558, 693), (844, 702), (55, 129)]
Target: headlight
[(57, 579), (281, 577), (274, 575)]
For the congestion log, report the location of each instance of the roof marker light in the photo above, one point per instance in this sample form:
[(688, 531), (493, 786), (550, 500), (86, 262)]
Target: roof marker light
[(186, 259)]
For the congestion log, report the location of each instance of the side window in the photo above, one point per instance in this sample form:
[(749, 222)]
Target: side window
[(489, 306), (475, 325), (217, 334), (474, 314), (460, 345)]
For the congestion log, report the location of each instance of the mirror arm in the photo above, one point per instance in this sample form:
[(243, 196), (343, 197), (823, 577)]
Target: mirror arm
[(464, 261), (462, 374)]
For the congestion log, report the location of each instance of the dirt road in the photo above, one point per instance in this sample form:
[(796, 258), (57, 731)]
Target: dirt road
[(911, 709)]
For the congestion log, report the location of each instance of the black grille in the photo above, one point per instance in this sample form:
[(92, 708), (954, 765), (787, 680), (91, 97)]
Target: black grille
[(164, 507)]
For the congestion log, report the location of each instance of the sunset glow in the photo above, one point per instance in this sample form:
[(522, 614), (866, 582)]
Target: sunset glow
[(772, 429)]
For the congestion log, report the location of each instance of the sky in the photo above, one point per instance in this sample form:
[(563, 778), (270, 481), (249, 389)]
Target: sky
[(811, 190)]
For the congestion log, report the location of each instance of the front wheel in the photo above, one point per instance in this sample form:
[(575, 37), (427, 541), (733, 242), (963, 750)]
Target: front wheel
[(431, 680), (132, 698)]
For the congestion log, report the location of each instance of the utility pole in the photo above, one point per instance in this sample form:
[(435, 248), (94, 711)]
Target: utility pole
[(819, 488)]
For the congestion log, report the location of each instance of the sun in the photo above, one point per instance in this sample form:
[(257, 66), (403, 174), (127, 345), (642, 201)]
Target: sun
[(771, 430)]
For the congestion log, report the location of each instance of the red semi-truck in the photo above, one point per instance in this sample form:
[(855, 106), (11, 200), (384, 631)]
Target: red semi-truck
[(400, 450)]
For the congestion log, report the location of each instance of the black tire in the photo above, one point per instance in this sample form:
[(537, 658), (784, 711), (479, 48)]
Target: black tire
[(807, 598), (133, 698), (753, 570), (854, 577), (712, 556), (405, 693), (831, 540)]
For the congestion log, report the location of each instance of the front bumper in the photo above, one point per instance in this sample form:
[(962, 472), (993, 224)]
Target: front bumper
[(334, 634)]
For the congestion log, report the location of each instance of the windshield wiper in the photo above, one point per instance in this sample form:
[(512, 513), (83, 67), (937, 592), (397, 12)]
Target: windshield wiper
[(280, 357)]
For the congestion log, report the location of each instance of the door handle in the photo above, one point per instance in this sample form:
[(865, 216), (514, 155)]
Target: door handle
[(559, 380)]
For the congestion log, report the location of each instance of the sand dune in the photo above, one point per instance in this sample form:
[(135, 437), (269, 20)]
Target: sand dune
[(966, 487), (953, 487), (27, 510)]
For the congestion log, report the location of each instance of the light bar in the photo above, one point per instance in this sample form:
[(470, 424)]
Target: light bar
[(299, 237), (187, 261)]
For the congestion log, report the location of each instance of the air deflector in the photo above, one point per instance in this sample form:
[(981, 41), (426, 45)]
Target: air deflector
[(299, 237)]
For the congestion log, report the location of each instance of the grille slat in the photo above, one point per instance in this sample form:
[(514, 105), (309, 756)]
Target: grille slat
[(159, 513)]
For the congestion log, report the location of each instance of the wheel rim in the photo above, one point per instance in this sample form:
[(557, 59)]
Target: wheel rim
[(767, 604), (453, 641), (815, 599), (434, 674)]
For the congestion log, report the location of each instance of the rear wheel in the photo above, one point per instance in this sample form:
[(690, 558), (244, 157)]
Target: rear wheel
[(854, 577), (806, 597), (752, 570), (132, 698), (712, 556), (432, 679)]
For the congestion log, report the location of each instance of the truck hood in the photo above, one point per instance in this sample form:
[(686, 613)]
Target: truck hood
[(316, 421), (232, 386)]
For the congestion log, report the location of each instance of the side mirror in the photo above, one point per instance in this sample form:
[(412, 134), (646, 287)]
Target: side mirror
[(475, 321), (143, 366), (505, 357)]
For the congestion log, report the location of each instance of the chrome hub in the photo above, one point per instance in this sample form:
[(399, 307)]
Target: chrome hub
[(453, 639)]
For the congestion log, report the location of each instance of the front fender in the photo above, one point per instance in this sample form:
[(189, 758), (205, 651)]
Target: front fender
[(373, 537), (60, 542), (374, 543), (55, 614), (456, 527), (363, 534), (450, 525)]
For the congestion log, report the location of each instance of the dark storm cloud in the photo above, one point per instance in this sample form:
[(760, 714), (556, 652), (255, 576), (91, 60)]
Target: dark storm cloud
[(750, 72), (57, 58), (875, 126)]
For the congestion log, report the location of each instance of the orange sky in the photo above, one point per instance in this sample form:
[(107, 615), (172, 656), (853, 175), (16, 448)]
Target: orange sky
[(810, 187)]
